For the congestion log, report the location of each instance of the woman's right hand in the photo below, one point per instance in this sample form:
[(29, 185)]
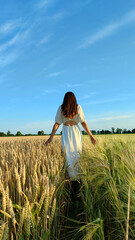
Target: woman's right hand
[(93, 140), (49, 140)]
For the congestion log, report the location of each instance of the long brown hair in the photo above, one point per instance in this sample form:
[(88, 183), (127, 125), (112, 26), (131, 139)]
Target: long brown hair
[(69, 105)]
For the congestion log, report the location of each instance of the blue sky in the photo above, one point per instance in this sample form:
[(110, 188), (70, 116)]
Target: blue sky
[(49, 47)]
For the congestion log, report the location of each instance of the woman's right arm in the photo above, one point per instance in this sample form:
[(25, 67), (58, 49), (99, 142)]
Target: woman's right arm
[(58, 121), (55, 128), (86, 128)]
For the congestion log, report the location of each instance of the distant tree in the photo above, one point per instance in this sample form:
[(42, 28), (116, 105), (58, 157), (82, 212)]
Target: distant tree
[(98, 132), (102, 131), (133, 130), (129, 131), (118, 130), (41, 132), (113, 130), (2, 134), (84, 133), (93, 132), (8, 133), (107, 132), (124, 130), (19, 133)]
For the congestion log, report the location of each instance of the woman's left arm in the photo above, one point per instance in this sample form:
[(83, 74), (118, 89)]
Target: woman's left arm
[(85, 126), (55, 128)]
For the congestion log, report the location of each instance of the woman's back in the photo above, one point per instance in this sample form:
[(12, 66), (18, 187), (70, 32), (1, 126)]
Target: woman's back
[(79, 117)]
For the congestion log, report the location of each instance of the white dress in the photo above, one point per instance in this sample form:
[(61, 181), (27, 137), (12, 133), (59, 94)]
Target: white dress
[(71, 140)]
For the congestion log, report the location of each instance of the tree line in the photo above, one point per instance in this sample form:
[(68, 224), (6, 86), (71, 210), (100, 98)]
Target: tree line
[(114, 131), (94, 132), (9, 134)]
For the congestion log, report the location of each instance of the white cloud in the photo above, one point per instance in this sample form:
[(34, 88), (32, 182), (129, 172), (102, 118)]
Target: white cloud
[(54, 74), (9, 43), (128, 18), (34, 127), (43, 4), (58, 16), (7, 59), (49, 91), (111, 118), (122, 121), (17, 43), (91, 81), (115, 99), (8, 27), (45, 39), (87, 96), (28, 127), (107, 30), (74, 85), (78, 85), (19, 38)]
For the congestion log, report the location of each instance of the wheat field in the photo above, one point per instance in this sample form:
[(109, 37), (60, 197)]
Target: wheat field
[(35, 189)]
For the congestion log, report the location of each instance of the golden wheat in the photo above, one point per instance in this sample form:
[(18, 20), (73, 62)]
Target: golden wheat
[(28, 179), (33, 195)]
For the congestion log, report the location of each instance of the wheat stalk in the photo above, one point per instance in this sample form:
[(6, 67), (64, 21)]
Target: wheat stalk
[(2, 227), (19, 232), (53, 211), (11, 212), (6, 232), (18, 181), (3, 197), (128, 212)]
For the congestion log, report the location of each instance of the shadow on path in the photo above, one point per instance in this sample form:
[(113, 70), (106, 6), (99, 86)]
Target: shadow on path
[(74, 214)]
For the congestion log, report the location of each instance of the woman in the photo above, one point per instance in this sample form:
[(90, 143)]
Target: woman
[(70, 114)]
